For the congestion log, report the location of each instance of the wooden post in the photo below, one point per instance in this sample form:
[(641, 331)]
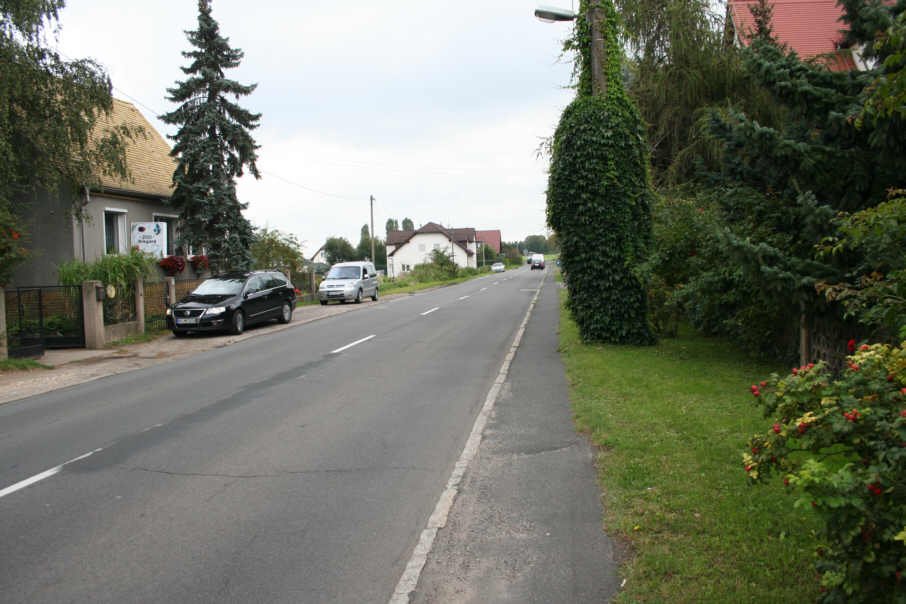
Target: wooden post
[(3, 349), (140, 305), (313, 283), (803, 340), (171, 290)]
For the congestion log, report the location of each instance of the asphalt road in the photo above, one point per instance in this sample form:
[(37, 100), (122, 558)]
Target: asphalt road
[(295, 467)]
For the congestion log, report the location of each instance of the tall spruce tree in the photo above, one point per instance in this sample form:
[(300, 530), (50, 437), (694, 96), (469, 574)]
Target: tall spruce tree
[(212, 147)]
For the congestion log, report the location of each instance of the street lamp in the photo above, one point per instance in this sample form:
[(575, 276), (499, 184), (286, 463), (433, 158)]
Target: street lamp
[(551, 14)]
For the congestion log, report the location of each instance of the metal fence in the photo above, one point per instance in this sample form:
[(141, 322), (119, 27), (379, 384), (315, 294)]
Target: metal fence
[(156, 306), (43, 317)]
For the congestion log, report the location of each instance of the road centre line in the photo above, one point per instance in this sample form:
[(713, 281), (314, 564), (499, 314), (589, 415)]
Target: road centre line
[(428, 312), (45, 474), (464, 297), (341, 349), (482, 289), (438, 520)]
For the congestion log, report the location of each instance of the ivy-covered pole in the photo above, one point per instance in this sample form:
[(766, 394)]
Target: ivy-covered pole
[(599, 191), (598, 49)]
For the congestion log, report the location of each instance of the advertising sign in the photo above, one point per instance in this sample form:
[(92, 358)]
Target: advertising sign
[(150, 237)]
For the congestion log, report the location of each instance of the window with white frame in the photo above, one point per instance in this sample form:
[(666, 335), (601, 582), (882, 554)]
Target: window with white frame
[(421, 247), (171, 221), (114, 231)]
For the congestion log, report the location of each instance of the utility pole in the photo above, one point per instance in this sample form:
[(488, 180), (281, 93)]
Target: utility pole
[(373, 261), (598, 50)]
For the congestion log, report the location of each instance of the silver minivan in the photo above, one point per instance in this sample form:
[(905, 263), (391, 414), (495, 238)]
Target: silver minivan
[(349, 281)]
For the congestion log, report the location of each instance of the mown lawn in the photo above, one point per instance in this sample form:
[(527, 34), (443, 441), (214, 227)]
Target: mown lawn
[(672, 422)]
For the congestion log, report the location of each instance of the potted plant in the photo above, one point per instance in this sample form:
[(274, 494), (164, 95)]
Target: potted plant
[(172, 265)]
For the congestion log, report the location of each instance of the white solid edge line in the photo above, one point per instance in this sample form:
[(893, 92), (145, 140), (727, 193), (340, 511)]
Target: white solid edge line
[(428, 312), (409, 580), (351, 345), (45, 474)]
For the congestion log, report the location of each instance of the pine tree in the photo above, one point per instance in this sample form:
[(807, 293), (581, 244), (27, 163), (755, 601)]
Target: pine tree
[(213, 146)]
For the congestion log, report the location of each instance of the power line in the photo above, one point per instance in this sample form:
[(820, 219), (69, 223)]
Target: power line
[(295, 184)]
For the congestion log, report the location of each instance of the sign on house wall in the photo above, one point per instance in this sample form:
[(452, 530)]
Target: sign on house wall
[(150, 237)]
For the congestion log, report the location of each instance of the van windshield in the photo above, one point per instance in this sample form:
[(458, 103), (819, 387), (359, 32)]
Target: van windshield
[(345, 272)]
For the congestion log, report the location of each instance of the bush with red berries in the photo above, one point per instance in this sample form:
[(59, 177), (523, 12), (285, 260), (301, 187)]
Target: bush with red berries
[(172, 265), (839, 442)]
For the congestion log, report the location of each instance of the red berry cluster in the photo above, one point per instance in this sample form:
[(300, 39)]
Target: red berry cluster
[(875, 489), (852, 416), (802, 427), (755, 391), (853, 366), (776, 428), (804, 369)]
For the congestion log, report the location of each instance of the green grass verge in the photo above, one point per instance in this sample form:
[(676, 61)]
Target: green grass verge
[(21, 365), (138, 338), (671, 422), (389, 287)]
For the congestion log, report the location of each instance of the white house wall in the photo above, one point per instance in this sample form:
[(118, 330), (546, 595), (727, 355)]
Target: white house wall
[(418, 251)]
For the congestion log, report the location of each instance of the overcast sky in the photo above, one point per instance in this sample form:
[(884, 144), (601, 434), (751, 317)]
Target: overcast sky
[(434, 107)]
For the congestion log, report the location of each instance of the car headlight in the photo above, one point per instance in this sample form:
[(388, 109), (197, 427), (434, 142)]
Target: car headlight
[(215, 310), (168, 311)]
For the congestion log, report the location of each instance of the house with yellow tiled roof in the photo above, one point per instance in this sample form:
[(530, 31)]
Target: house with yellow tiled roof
[(111, 211)]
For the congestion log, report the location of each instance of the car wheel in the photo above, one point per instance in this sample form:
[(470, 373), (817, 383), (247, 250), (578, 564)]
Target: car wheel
[(374, 297), (358, 297), (286, 313), (323, 302), (237, 325)]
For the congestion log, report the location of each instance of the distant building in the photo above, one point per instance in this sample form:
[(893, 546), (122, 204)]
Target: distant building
[(406, 249)]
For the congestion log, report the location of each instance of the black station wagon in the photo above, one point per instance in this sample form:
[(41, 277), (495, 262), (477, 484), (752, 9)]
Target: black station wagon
[(230, 302)]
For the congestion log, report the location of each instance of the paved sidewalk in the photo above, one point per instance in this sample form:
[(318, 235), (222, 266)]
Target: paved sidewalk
[(526, 525), (73, 366)]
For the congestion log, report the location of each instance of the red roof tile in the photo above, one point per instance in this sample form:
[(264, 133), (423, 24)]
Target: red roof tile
[(810, 27), (492, 238)]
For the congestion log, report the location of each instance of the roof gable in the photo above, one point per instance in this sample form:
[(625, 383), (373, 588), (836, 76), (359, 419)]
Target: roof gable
[(461, 237), (491, 238), (147, 156)]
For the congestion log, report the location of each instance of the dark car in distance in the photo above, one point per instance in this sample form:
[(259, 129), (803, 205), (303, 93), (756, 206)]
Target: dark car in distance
[(233, 301)]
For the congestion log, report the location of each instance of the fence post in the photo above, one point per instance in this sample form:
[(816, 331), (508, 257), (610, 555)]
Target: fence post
[(171, 290), (140, 305), (93, 315), (3, 349)]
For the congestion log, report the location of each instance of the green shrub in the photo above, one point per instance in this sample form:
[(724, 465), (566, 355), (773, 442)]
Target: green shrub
[(841, 444), (120, 270)]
